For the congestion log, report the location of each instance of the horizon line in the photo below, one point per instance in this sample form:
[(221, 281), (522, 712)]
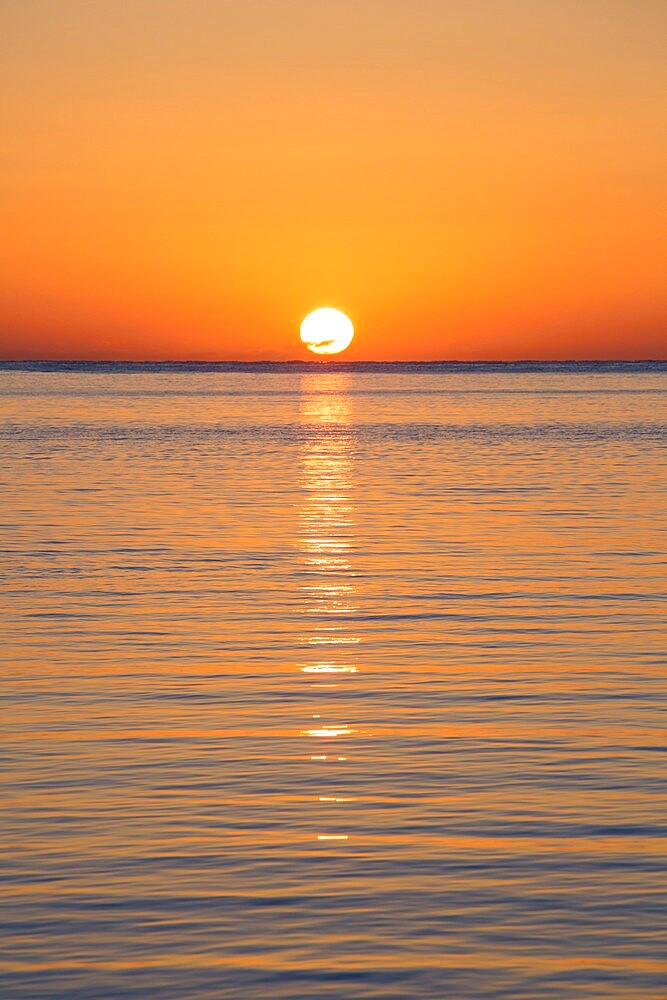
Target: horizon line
[(329, 361)]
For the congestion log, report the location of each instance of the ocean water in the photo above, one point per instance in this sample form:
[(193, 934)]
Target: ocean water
[(333, 682)]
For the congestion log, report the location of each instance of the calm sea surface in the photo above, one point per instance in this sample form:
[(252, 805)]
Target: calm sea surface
[(328, 682)]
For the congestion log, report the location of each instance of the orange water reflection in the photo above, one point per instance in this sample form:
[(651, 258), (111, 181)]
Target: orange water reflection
[(327, 542)]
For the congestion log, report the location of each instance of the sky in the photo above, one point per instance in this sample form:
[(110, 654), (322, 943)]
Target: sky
[(466, 179)]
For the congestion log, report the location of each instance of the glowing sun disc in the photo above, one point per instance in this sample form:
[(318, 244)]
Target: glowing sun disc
[(327, 331)]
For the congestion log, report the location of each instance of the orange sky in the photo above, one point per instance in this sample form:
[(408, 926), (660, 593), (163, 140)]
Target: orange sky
[(465, 178)]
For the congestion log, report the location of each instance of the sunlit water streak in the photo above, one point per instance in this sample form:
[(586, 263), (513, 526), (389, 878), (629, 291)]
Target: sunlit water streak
[(324, 682)]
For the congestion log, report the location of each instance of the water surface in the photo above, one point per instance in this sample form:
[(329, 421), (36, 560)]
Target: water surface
[(333, 682)]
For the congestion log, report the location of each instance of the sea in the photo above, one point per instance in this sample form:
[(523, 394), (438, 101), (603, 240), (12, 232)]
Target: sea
[(333, 681)]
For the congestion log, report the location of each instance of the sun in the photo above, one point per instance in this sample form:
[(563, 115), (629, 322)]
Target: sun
[(327, 331)]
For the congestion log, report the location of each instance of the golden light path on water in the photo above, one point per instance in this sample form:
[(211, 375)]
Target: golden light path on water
[(326, 539)]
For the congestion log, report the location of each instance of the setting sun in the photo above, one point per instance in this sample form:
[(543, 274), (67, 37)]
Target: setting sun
[(327, 331)]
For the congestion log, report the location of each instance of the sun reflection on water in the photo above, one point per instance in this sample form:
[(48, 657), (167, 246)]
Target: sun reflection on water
[(328, 668), (327, 544)]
